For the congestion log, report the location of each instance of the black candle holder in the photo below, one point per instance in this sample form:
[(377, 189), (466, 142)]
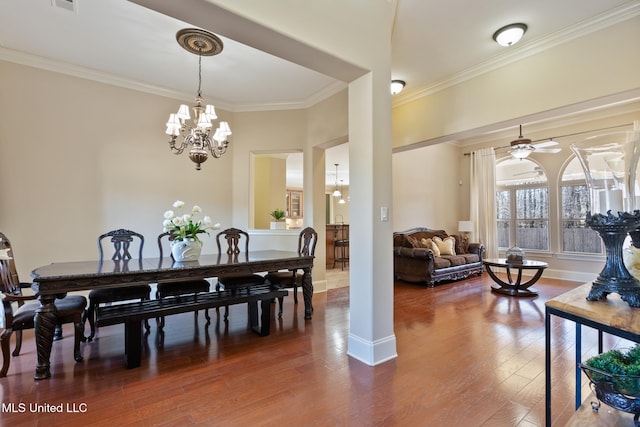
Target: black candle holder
[(614, 277)]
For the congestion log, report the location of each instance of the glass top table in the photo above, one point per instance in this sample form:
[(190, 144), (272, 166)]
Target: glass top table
[(514, 286)]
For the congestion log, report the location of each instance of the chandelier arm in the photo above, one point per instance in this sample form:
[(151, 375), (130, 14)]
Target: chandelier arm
[(215, 149)]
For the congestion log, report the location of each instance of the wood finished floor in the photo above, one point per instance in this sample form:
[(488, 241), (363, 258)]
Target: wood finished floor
[(466, 357)]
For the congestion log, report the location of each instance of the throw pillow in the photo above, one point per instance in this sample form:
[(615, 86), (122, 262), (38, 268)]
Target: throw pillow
[(462, 244), (413, 242), (446, 246), (428, 243)]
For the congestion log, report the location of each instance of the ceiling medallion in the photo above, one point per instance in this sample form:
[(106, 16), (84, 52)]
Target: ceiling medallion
[(199, 42)]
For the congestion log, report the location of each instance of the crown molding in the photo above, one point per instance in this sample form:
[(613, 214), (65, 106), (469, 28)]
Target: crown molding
[(610, 105), (620, 14), (48, 64)]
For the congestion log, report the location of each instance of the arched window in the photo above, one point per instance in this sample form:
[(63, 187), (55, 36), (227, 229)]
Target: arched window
[(576, 236), (522, 202)]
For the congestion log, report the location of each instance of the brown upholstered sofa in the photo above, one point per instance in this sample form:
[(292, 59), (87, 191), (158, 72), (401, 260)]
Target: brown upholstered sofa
[(416, 260)]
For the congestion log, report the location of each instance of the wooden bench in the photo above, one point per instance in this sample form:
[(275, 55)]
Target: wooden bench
[(134, 313)]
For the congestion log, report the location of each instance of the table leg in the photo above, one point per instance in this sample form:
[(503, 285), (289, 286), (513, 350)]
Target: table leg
[(45, 320), (133, 343), (547, 367), (514, 288), (307, 292), (265, 327)]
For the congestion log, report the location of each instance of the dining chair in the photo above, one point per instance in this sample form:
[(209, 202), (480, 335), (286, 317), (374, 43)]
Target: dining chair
[(121, 240), (307, 241), (180, 287), (234, 238), (70, 309), (341, 246)]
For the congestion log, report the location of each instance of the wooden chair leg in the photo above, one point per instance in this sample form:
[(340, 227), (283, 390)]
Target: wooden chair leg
[(295, 293), (16, 351), (57, 332), (5, 340), (78, 336), (91, 315), (280, 302)]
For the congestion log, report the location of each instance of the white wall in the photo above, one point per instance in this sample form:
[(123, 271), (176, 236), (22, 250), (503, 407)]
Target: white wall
[(79, 158), (426, 188)]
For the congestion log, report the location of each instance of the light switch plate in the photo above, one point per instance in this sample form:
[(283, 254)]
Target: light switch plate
[(384, 213)]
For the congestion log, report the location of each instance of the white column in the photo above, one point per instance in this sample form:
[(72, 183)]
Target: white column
[(371, 336)]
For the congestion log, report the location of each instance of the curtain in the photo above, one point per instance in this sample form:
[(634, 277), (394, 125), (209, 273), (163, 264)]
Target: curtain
[(483, 200)]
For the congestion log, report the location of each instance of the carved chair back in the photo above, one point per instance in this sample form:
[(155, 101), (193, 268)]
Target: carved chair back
[(170, 237), (121, 240), (234, 238), (10, 284), (307, 242)]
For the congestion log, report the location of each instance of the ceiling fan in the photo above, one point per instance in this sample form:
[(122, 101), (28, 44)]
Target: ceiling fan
[(536, 172), (522, 147)]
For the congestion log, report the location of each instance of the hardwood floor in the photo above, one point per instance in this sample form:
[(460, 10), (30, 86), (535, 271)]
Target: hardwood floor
[(466, 357)]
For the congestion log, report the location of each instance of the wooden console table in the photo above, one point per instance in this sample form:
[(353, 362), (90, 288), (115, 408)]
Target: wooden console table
[(612, 316)]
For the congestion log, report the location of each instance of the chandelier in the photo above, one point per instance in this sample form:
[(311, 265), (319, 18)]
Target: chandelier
[(198, 137)]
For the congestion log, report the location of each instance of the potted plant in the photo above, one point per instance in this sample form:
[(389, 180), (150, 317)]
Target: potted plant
[(278, 216), (615, 379)]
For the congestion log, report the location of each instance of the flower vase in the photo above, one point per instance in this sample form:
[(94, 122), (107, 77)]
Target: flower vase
[(186, 250)]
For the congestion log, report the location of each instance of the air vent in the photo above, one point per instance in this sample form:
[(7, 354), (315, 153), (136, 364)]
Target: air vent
[(70, 5)]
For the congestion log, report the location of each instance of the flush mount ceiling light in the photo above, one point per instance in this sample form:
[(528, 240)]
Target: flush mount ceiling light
[(397, 86), (510, 34)]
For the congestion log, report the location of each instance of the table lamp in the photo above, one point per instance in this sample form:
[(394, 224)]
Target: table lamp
[(465, 227), (610, 165)]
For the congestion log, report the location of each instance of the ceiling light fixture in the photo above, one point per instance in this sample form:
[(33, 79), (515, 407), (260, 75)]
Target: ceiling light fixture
[(397, 86), (510, 34), (199, 137), (336, 192), (521, 147), (341, 201)]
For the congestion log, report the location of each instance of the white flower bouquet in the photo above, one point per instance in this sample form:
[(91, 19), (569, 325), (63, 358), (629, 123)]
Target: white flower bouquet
[(186, 226)]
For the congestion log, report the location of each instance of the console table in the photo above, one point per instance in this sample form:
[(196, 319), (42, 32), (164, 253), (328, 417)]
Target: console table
[(611, 315)]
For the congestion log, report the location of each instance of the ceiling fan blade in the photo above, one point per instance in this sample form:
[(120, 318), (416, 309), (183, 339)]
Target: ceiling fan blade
[(532, 173), (549, 143), (548, 150)]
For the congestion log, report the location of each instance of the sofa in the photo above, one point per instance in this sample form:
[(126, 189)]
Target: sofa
[(431, 256)]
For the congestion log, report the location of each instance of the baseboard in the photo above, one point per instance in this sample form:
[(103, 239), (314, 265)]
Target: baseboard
[(372, 352)]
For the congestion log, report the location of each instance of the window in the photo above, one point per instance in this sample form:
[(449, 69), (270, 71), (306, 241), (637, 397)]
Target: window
[(576, 236), (522, 204)]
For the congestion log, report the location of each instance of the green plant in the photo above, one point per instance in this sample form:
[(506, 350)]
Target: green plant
[(277, 214), (619, 367)]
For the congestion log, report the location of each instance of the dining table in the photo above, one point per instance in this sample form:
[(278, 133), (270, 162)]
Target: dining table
[(59, 278)]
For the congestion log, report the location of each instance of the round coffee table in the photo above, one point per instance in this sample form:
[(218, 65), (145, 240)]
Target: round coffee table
[(515, 287)]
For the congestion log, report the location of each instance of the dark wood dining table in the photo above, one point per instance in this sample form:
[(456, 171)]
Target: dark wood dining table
[(57, 279)]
